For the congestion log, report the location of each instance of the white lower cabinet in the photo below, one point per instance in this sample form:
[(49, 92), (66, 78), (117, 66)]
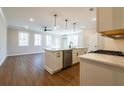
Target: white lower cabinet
[(53, 61), (76, 53), (94, 74)]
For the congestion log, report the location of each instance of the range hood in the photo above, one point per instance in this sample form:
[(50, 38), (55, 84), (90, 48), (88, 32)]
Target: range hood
[(115, 33)]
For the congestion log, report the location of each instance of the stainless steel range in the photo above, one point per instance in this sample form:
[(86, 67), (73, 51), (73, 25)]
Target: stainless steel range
[(109, 52)]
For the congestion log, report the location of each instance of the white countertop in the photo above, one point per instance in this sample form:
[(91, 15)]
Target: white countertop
[(57, 49), (105, 59), (61, 49)]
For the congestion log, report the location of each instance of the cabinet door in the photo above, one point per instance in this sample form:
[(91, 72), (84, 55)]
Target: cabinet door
[(122, 17), (96, 74), (110, 18), (117, 18), (104, 19), (74, 59), (58, 60), (76, 54)]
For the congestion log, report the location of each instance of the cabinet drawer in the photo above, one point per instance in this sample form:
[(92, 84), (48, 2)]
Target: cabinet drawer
[(74, 59), (58, 54), (77, 50)]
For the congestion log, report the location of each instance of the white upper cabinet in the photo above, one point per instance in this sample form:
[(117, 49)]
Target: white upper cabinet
[(110, 18)]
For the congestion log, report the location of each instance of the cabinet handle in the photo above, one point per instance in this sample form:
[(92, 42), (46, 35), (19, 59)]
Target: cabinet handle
[(58, 55), (77, 54)]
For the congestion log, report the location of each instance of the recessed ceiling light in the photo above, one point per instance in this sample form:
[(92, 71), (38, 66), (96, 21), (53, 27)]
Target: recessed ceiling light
[(31, 19), (94, 19), (26, 27), (82, 27)]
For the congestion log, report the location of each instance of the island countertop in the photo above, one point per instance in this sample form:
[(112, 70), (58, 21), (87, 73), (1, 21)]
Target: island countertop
[(61, 49), (104, 59)]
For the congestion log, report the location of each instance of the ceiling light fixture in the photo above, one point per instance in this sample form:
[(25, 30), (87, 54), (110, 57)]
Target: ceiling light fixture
[(31, 20), (94, 19), (82, 27)]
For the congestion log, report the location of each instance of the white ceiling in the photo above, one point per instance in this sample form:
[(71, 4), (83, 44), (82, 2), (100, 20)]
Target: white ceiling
[(44, 16)]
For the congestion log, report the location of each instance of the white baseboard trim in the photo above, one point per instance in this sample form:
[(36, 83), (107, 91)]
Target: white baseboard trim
[(49, 69), (3, 59), (23, 53)]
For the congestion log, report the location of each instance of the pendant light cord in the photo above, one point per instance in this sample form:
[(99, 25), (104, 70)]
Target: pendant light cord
[(74, 26), (66, 23), (55, 19)]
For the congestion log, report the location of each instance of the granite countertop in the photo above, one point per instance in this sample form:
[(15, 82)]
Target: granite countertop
[(105, 59)]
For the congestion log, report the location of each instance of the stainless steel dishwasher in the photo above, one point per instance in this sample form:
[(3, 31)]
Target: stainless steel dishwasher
[(67, 58)]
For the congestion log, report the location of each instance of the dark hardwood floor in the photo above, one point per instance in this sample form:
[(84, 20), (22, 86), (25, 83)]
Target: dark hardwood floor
[(27, 70)]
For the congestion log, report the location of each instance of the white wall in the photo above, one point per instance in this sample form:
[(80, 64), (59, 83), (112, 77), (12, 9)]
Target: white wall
[(107, 43), (100, 42), (14, 49), (87, 41), (3, 36), (80, 39), (112, 44)]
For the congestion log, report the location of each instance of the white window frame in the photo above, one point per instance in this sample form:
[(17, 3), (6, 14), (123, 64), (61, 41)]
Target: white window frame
[(48, 41), (74, 39), (37, 39), (23, 41)]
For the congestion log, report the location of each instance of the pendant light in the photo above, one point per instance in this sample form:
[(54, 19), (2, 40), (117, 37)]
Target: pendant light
[(66, 20), (55, 21), (74, 26)]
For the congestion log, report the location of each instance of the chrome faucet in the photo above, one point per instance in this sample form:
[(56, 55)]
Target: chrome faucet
[(70, 44)]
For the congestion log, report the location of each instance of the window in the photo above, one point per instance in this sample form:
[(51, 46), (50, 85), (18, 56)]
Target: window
[(62, 41), (37, 40), (48, 41), (57, 43), (23, 39), (73, 39), (53, 41)]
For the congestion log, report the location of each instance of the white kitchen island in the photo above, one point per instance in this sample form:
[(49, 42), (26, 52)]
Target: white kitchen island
[(54, 58), (101, 69)]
